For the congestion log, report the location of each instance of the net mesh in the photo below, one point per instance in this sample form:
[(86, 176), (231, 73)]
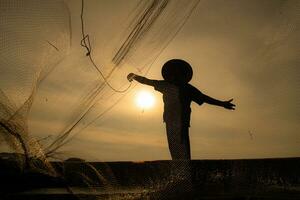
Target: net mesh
[(35, 37), (45, 70), (44, 67)]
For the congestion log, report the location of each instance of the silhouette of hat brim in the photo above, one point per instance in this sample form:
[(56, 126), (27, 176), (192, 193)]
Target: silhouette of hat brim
[(177, 70)]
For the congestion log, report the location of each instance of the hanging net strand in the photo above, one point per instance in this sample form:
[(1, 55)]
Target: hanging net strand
[(85, 42), (143, 24)]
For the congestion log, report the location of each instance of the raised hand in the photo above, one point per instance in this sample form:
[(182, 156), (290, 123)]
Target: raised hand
[(130, 77), (229, 105)]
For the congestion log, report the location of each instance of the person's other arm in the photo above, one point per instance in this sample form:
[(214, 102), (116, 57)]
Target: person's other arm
[(200, 98), (140, 79), (226, 104)]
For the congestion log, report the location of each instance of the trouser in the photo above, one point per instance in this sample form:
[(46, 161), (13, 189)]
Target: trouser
[(179, 146), (178, 141)]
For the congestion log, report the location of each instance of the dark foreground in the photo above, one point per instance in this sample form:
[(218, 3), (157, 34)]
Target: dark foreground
[(209, 179)]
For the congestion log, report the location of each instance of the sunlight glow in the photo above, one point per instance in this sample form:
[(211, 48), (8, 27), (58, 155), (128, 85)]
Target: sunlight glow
[(145, 100)]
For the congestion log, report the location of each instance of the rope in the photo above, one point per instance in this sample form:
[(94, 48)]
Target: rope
[(85, 42)]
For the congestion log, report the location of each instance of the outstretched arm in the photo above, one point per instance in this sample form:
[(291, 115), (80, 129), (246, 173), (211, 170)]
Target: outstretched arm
[(225, 104), (200, 98), (140, 79)]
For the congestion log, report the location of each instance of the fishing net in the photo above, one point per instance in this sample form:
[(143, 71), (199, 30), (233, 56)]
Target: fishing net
[(59, 72), (39, 65), (29, 31)]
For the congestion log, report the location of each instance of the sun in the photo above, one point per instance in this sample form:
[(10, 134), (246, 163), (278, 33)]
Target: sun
[(145, 100)]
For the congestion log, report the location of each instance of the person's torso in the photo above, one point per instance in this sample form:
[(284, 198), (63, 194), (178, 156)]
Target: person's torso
[(177, 101)]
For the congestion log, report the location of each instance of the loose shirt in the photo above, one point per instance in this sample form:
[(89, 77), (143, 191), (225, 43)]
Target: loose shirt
[(177, 100)]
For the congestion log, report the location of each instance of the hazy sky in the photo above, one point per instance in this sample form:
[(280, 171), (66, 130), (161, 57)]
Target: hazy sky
[(246, 50)]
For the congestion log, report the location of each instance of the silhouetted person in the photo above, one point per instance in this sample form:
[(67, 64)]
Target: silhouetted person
[(177, 97)]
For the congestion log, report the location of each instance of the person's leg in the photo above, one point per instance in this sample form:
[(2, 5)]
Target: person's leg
[(186, 142), (185, 166), (178, 141), (176, 147)]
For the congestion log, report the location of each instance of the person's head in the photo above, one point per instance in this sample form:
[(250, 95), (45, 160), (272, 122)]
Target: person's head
[(177, 71)]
